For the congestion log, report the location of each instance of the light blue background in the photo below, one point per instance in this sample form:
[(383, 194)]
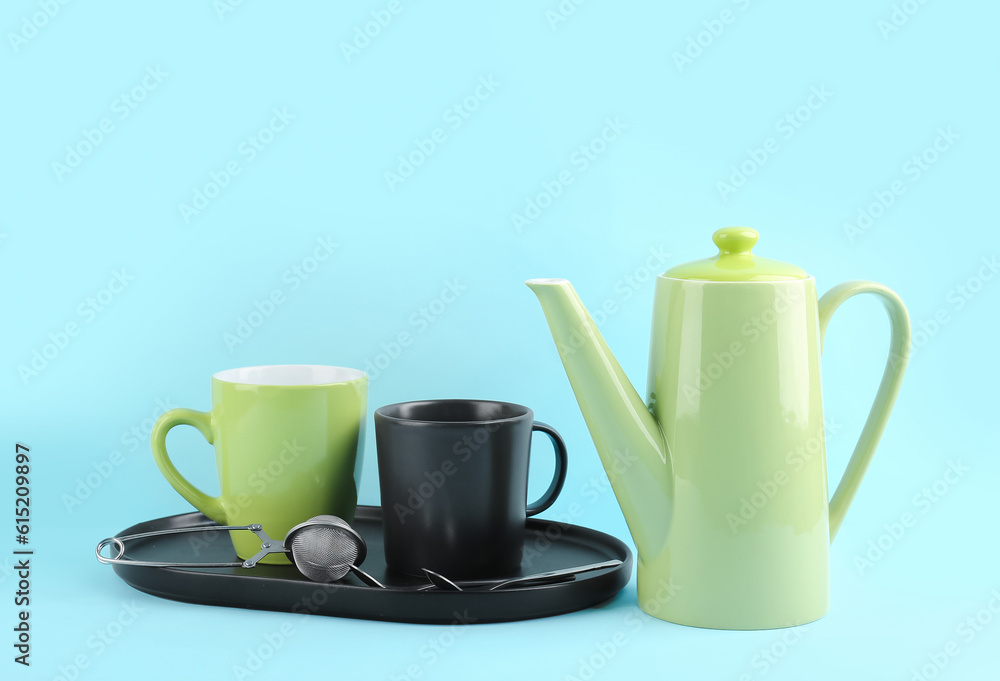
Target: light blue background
[(654, 187)]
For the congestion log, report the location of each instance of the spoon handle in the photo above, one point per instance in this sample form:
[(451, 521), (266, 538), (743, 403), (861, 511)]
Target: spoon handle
[(551, 577), (366, 578), (554, 576)]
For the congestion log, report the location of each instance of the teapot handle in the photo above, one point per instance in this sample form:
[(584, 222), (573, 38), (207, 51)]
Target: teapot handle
[(899, 352)]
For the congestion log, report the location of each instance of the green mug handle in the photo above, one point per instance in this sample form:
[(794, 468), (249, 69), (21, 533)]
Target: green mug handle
[(892, 377), (202, 420)]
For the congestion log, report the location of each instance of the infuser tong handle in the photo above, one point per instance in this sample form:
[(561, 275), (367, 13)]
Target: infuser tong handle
[(267, 545)]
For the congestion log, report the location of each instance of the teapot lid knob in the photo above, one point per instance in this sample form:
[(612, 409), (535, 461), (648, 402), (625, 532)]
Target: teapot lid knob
[(735, 262), (735, 240)]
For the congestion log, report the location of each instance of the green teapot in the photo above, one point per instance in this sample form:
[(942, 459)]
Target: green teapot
[(721, 471)]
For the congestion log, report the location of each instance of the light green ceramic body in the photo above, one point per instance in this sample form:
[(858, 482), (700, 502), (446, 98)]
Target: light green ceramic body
[(721, 472), (284, 453)]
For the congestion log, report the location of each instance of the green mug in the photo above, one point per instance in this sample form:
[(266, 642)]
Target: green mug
[(288, 445)]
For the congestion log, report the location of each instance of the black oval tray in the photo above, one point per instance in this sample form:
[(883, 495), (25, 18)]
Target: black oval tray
[(548, 546)]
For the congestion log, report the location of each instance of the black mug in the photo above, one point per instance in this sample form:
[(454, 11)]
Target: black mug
[(453, 475)]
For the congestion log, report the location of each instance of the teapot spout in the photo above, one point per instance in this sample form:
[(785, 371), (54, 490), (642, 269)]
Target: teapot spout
[(628, 438)]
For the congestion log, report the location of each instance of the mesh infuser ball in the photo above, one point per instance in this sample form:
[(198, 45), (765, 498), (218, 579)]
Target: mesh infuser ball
[(325, 548)]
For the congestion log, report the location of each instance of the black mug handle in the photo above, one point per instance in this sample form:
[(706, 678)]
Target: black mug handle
[(559, 476)]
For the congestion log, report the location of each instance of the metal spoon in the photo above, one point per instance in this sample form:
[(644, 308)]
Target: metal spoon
[(552, 577)]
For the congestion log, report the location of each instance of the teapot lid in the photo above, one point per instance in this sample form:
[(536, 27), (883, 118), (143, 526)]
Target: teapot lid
[(735, 262)]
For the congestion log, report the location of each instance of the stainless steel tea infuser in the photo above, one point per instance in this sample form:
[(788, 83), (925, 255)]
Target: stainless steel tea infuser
[(324, 549)]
